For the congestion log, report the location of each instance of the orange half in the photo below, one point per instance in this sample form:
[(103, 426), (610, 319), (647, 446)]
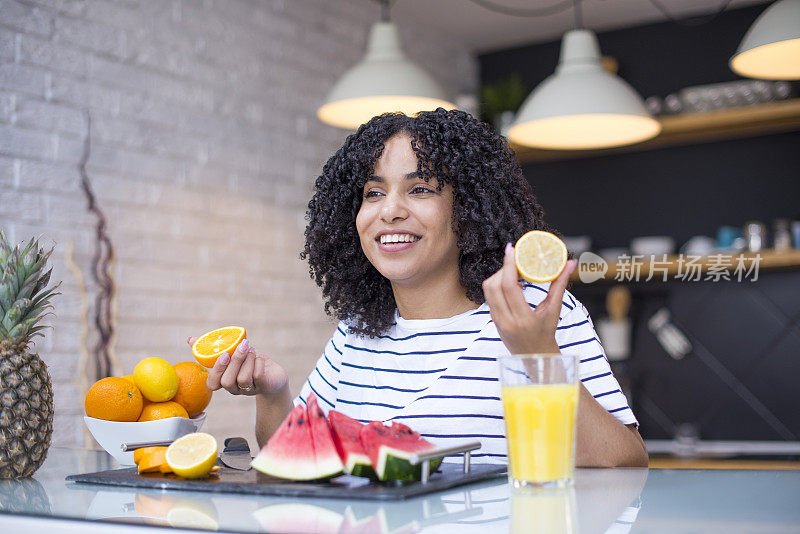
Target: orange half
[(211, 345), (155, 462), (540, 256)]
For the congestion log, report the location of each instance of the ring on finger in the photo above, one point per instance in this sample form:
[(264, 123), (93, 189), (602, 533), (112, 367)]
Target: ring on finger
[(246, 389)]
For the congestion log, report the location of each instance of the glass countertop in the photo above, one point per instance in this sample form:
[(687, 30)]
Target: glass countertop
[(602, 500)]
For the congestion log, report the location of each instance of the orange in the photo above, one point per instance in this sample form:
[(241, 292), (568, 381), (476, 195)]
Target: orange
[(138, 454), (113, 399), (540, 256), (155, 462), (162, 410), (129, 378), (156, 379), (208, 347), (192, 394)]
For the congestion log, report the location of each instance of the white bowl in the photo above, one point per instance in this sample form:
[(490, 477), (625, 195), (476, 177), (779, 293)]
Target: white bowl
[(112, 434)]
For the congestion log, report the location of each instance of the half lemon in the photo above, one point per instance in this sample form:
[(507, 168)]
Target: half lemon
[(540, 256), (192, 455)]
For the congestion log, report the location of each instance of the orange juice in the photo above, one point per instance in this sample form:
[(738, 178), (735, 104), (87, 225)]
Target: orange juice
[(540, 430)]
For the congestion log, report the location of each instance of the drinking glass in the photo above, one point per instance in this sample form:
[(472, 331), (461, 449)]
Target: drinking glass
[(540, 401)]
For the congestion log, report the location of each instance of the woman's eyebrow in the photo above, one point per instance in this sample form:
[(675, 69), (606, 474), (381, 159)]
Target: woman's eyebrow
[(409, 176)]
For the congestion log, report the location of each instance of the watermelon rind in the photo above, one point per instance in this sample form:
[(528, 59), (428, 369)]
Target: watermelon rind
[(393, 464), (284, 468), (359, 465)]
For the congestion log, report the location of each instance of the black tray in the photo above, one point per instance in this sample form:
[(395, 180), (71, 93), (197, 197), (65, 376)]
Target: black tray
[(253, 482)]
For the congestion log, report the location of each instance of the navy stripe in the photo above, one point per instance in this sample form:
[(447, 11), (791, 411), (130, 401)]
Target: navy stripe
[(593, 358), (492, 454), (488, 339), (595, 376), (607, 393), (495, 436), (449, 416), (419, 334), (476, 397), (425, 371), (382, 387), (318, 395), (324, 380), (482, 312), (363, 403), (422, 352), (329, 362), (334, 347), (572, 300), (302, 400), (478, 358), (618, 409), (341, 331), (571, 325), (543, 290), (581, 342), (454, 377)]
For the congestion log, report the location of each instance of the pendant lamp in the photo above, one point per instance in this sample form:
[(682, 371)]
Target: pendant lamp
[(385, 80), (582, 106), (771, 47)]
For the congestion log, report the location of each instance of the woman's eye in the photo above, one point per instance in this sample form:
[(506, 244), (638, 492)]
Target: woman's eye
[(421, 189), (371, 194)]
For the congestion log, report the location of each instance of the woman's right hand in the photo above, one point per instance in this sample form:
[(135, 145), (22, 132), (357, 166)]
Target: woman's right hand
[(246, 372)]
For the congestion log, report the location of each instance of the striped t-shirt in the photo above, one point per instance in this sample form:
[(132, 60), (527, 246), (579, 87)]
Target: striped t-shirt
[(441, 376)]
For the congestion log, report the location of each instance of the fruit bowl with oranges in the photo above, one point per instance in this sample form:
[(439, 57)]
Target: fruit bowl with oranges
[(158, 402)]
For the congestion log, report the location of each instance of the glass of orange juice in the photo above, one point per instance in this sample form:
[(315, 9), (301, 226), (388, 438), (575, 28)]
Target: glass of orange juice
[(540, 401)]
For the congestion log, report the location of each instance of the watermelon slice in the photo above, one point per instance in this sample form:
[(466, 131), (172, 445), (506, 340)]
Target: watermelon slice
[(289, 453), (389, 449), (346, 431), (328, 462)]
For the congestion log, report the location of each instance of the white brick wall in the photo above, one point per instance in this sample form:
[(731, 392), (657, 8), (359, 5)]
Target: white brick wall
[(205, 146)]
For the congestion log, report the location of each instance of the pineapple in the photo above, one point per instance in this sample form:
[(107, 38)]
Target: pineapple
[(26, 394)]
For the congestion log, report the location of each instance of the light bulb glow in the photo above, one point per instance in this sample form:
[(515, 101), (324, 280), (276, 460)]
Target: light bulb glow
[(353, 112), (582, 132), (774, 61)]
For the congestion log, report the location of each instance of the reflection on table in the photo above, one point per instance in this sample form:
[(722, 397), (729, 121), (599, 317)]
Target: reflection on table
[(601, 501)]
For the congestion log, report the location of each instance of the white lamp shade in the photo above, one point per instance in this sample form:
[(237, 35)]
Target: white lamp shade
[(770, 49), (385, 80), (582, 106)]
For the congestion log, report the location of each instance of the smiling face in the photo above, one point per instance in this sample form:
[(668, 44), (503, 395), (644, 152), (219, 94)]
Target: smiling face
[(404, 223)]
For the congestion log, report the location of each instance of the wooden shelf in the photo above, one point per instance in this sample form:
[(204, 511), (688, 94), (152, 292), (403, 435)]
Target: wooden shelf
[(690, 128), (770, 260)]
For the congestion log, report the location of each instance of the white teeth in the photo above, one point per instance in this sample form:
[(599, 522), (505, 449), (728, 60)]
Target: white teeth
[(398, 238)]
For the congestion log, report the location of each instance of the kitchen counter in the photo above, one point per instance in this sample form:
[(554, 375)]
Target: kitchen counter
[(602, 500)]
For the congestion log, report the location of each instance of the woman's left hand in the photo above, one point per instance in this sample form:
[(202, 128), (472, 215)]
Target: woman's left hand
[(523, 329)]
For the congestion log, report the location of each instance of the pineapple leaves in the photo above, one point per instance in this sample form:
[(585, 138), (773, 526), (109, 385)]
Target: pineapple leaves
[(24, 296)]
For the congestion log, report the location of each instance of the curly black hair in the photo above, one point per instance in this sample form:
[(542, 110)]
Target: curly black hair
[(493, 204)]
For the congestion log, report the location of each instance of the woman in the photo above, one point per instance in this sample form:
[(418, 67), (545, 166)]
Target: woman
[(409, 237)]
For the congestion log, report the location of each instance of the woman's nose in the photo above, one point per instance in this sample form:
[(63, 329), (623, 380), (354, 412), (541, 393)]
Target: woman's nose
[(393, 208)]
